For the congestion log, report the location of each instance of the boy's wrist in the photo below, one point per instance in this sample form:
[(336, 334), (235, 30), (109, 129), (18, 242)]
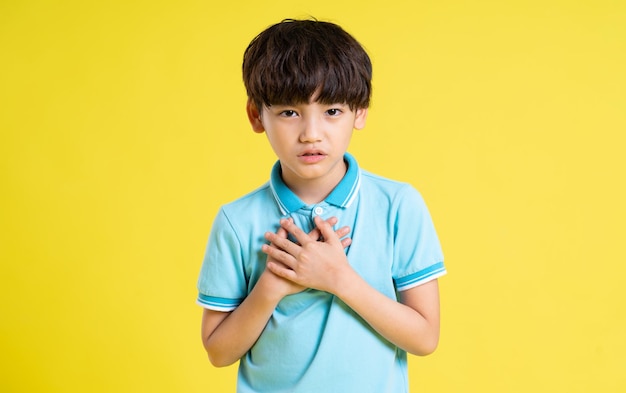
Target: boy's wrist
[(266, 289), (345, 281)]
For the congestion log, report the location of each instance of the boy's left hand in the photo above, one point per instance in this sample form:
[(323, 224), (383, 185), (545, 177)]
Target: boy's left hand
[(318, 264)]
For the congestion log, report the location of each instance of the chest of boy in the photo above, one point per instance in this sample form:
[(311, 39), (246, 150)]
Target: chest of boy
[(370, 254)]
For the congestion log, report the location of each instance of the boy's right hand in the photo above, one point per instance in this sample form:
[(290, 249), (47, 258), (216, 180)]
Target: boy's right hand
[(284, 287)]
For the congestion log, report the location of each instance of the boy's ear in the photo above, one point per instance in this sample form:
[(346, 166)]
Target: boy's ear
[(254, 116), (359, 119)]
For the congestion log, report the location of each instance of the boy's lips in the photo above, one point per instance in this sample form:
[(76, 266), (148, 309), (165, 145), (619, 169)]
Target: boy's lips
[(312, 156)]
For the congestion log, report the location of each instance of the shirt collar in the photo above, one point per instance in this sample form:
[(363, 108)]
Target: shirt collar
[(342, 195)]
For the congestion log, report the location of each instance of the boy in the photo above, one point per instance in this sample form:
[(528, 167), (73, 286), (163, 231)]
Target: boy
[(304, 307)]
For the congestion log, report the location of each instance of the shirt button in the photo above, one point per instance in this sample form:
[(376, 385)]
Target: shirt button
[(318, 210)]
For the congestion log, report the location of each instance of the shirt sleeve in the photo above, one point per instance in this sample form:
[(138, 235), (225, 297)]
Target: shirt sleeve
[(417, 253), (222, 280)]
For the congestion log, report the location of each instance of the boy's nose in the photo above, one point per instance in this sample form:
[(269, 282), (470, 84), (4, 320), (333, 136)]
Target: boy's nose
[(311, 132)]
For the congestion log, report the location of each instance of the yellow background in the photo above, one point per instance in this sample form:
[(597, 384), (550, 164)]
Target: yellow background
[(123, 130)]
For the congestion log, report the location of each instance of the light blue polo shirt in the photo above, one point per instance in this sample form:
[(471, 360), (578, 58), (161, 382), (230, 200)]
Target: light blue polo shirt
[(313, 342)]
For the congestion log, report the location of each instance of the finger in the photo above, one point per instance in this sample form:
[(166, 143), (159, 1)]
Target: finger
[(281, 270), (342, 235), (277, 255), (282, 243), (332, 221), (327, 231), (281, 232), (343, 231), (315, 233), (298, 233), (275, 265)]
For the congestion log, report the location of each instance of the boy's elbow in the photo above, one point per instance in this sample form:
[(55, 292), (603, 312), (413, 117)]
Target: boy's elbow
[(216, 357), (220, 361), (423, 350), (425, 347)]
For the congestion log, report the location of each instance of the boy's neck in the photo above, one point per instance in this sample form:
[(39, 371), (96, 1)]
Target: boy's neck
[(313, 195), (315, 190)]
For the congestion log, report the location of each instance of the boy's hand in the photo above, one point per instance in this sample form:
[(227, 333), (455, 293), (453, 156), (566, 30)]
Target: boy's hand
[(310, 262), (316, 234), (275, 283), (284, 286)]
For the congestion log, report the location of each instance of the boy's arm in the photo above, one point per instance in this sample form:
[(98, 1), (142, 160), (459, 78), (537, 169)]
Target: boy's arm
[(227, 336), (412, 324)]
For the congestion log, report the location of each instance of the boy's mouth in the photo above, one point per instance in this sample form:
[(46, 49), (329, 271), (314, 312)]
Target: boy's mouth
[(310, 153), (312, 157)]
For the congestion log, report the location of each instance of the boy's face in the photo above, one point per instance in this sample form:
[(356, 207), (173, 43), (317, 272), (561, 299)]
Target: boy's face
[(309, 139)]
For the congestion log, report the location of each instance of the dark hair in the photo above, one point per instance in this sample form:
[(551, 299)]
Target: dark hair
[(292, 60)]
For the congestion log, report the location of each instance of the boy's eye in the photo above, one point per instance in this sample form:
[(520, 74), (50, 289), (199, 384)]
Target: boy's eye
[(288, 113), (333, 112)]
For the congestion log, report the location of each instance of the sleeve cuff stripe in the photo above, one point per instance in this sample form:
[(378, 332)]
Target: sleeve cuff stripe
[(420, 277), (217, 303)]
